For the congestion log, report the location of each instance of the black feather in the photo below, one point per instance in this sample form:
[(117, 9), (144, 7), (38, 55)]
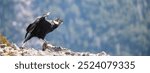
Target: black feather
[(39, 28)]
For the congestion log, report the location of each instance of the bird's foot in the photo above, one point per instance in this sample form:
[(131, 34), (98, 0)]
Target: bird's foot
[(22, 46), (46, 46)]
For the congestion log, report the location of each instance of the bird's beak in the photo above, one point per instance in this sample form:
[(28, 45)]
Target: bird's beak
[(61, 21)]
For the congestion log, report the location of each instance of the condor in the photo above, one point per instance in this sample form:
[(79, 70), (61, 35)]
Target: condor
[(41, 27)]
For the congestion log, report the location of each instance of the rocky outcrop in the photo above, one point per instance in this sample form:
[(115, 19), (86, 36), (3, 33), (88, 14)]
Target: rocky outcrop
[(7, 49), (48, 50)]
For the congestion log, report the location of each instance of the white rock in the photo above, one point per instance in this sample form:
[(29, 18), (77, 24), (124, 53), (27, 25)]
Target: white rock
[(50, 50), (15, 47), (3, 45)]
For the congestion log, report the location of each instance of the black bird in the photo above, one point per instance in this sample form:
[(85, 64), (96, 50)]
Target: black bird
[(40, 27)]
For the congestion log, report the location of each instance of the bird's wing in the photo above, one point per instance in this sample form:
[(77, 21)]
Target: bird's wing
[(31, 27)]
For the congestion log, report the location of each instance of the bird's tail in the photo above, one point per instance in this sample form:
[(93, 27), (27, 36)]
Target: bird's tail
[(26, 35)]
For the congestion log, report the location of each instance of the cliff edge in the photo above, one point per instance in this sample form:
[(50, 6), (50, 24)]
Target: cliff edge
[(7, 49), (50, 50)]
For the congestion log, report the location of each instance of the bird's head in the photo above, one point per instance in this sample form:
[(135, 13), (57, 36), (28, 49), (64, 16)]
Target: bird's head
[(57, 21)]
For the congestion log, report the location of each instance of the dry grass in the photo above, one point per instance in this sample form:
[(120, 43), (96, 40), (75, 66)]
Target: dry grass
[(3, 40)]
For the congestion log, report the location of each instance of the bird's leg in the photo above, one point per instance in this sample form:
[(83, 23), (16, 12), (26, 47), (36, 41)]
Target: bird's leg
[(22, 46), (49, 45), (43, 41), (46, 45)]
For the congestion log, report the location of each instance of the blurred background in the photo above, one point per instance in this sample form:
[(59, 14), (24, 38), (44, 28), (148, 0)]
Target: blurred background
[(118, 27)]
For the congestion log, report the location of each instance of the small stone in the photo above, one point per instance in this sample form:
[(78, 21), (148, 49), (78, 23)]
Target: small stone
[(67, 53), (57, 48), (102, 54), (11, 53), (41, 53), (3, 45), (6, 50), (1, 51), (72, 54)]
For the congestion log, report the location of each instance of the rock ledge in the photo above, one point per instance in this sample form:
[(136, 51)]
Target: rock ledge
[(49, 50)]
